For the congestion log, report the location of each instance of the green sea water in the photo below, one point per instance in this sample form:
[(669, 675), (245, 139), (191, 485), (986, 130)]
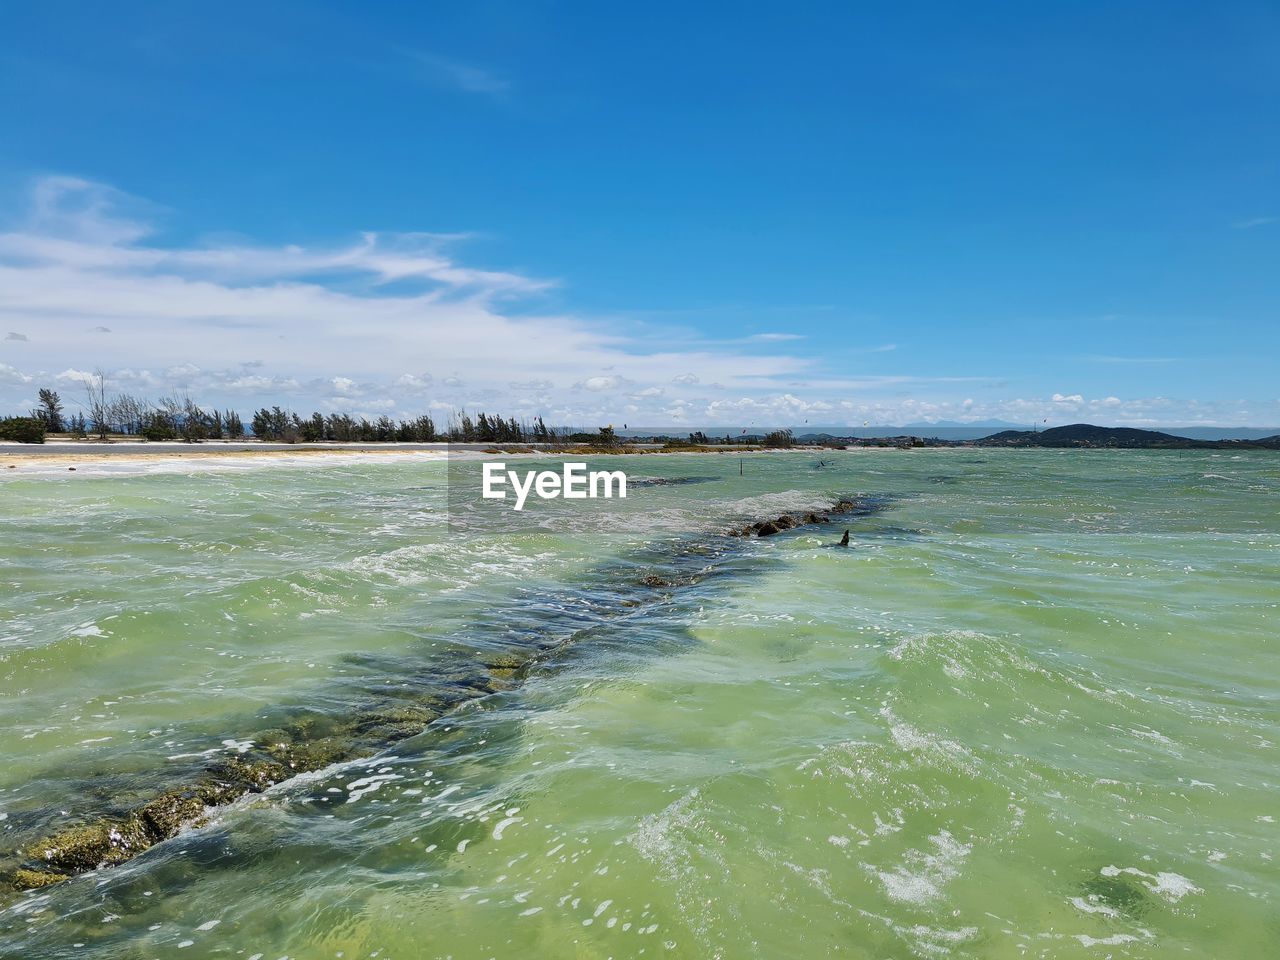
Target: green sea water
[(1032, 711)]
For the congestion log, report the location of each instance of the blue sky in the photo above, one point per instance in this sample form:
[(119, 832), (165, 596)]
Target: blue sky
[(652, 213)]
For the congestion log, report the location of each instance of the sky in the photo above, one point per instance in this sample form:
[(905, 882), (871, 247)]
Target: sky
[(659, 214)]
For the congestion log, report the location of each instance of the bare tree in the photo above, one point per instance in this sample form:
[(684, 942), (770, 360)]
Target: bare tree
[(127, 412), (95, 386)]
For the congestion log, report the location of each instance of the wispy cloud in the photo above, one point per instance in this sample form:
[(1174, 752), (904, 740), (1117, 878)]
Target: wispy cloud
[(375, 317), (1253, 222), (399, 323), (11, 376), (74, 225), (462, 76), (1097, 358)]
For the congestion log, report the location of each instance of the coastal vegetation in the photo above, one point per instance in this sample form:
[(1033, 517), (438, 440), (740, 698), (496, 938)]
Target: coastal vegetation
[(178, 417), (22, 429)]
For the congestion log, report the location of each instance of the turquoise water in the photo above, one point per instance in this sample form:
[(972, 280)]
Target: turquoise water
[(1031, 712)]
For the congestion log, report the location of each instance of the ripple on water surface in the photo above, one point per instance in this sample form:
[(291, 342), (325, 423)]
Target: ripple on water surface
[(1026, 714)]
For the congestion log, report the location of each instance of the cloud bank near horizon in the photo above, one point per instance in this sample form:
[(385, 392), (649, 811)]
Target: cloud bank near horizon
[(396, 324)]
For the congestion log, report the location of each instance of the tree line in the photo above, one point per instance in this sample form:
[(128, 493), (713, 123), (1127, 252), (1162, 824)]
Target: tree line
[(288, 427), (179, 417), (175, 417)]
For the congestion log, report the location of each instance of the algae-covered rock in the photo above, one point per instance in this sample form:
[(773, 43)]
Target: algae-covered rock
[(504, 669), (504, 661), (301, 741), (92, 845), (164, 816), (24, 879), (214, 792), (254, 774), (79, 848), (396, 723), (312, 754)]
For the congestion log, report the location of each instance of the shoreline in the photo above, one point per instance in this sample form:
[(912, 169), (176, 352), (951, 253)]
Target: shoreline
[(127, 458), (115, 458), (28, 462)]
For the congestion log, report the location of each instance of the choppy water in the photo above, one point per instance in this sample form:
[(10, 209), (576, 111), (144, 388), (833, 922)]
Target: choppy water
[(1032, 712)]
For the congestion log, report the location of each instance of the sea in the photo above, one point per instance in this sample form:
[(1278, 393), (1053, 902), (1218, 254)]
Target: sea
[(1031, 711)]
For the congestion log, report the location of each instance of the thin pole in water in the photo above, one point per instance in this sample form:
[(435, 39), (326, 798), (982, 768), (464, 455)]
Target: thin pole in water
[(739, 466)]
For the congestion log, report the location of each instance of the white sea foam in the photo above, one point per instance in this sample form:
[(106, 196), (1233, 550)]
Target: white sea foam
[(366, 785), (502, 826), (1115, 940), (922, 875), (1171, 886), (1091, 906)]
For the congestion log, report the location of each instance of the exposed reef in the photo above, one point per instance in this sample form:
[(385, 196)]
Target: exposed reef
[(842, 507), (668, 481)]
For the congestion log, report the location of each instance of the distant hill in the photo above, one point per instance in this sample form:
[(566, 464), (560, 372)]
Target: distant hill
[(943, 430), (1090, 435), (1222, 433)]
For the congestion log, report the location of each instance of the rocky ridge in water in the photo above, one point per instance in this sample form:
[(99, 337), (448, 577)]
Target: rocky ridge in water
[(310, 741)]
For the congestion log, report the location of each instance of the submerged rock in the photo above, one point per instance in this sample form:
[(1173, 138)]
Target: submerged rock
[(164, 816), (25, 879), (312, 754), (767, 528), (311, 740), (89, 846), (253, 776)]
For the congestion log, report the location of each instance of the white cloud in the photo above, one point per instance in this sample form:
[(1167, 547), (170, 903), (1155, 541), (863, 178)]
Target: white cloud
[(84, 260), (73, 375), (463, 76), (414, 381), (339, 324), (11, 376), (598, 384)]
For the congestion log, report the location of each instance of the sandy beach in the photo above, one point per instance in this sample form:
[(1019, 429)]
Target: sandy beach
[(134, 457), (21, 459)]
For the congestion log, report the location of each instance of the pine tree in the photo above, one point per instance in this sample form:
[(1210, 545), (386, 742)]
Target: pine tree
[(49, 411)]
